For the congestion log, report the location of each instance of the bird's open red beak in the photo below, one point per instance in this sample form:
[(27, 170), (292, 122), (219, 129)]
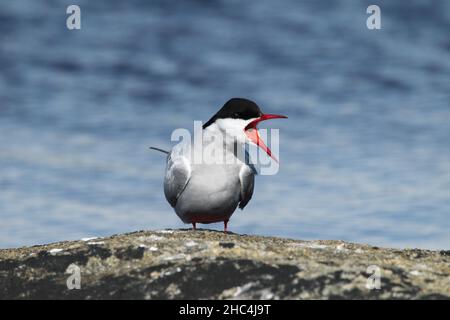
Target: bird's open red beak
[(252, 132)]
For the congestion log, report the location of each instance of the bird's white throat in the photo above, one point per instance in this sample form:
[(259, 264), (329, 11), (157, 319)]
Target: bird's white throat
[(224, 140)]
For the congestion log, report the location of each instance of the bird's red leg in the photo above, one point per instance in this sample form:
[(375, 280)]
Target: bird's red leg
[(194, 227), (225, 225)]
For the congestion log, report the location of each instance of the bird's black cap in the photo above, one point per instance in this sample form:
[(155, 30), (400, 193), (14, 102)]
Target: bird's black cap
[(236, 108)]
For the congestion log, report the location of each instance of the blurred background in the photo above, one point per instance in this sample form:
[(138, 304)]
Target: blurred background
[(365, 153)]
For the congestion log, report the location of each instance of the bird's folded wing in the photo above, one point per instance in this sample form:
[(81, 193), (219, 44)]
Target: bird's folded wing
[(247, 179), (177, 177)]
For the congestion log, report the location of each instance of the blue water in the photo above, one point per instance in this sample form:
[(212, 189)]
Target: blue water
[(365, 153)]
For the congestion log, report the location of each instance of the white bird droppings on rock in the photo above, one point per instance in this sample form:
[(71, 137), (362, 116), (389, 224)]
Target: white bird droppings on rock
[(151, 238), (55, 251), (152, 248), (179, 256), (242, 289), (341, 248), (88, 239), (310, 245), (190, 244), (165, 231)]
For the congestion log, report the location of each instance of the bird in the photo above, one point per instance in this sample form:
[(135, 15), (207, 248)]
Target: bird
[(206, 182)]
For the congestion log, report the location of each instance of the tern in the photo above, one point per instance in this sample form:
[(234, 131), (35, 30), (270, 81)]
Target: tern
[(210, 189)]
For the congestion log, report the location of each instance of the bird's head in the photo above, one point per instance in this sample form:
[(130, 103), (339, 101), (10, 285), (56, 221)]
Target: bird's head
[(238, 119)]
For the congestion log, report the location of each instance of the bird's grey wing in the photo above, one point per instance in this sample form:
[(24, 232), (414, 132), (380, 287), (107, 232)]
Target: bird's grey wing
[(247, 180), (178, 173)]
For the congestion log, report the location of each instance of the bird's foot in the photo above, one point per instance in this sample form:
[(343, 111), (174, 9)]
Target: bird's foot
[(225, 225), (194, 226)]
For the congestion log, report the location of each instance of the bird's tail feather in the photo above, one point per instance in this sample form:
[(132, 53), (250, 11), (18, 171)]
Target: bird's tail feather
[(160, 150)]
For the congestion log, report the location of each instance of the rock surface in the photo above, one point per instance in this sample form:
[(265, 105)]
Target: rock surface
[(185, 264)]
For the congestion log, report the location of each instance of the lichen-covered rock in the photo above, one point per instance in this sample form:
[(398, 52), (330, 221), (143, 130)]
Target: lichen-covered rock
[(185, 264)]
